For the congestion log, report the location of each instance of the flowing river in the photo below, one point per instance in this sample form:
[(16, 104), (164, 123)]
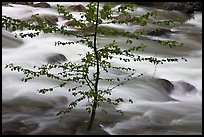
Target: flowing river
[(154, 112)]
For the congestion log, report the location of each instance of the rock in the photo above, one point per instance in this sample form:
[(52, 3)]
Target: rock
[(193, 6), (9, 40), (144, 3), (89, 26), (159, 32), (56, 58), (167, 85), (42, 5), (187, 7), (18, 128), (10, 132), (197, 6), (21, 3), (51, 19), (5, 3), (124, 17), (77, 8), (186, 86), (24, 3), (69, 23)]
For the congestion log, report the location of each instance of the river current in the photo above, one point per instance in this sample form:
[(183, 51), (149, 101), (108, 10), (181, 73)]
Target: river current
[(152, 113)]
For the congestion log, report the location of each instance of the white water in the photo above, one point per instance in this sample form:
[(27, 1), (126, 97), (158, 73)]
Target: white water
[(153, 112)]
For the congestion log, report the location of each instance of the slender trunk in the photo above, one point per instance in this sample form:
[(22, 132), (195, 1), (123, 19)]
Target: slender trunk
[(95, 103)]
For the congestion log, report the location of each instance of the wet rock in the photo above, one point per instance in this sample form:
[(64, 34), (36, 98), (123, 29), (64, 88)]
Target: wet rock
[(23, 3), (9, 40), (89, 26), (187, 7), (197, 6), (186, 86), (77, 8), (5, 3), (159, 32), (51, 19), (31, 106), (36, 105), (18, 128), (167, 85), (69, 23), (56, 58), (10, 132), (42, 5), (144, 3), (124, 17)]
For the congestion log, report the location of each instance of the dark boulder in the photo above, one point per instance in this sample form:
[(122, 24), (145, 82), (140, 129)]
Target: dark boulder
[(187, 87), (144, 3), (167, 85), (23, 3), (159, 32), (51, 19), (124, 17), (5, 3), (187, 7), (56, 58), (10, 132), (197, 6), (89, 26), (77, 8), (18, 128), (163, 86), (42, 5), (69, 23)]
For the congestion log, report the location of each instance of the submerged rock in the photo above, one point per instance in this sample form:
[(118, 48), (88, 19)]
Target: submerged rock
[(9, 40), (56, 58)]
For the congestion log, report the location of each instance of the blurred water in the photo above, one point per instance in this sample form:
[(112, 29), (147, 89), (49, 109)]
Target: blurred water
[(153, 110)]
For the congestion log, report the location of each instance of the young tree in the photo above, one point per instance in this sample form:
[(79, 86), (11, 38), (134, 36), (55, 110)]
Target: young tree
[(87, 74)]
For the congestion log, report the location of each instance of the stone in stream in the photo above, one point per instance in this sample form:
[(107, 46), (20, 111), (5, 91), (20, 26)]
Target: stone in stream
[(56, 58), (10, 132), (76, 8), (166, 84), (9, 40), (51, 19), (124, 17), (169, 86), (22, 3), (159, 32), (187, 87), (186, 7), (5, 3), (42, 5), (18, 128)]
